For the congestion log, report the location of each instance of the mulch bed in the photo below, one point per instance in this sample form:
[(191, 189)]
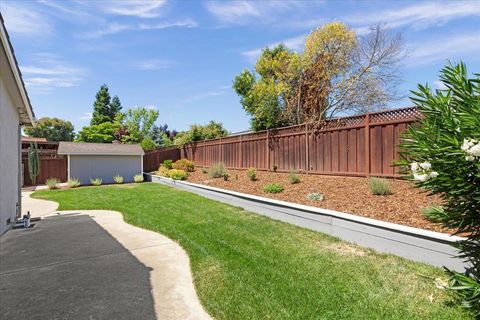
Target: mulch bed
[(346, 194)]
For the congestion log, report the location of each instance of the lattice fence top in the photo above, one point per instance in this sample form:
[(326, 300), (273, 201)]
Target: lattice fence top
[(394, 115)]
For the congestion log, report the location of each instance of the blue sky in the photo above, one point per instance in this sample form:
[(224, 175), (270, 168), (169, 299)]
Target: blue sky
[(181, 57)]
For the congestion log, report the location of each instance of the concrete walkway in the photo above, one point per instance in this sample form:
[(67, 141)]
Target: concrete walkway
[(93, 265)]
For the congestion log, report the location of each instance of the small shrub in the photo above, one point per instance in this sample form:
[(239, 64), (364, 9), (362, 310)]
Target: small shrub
[(118, 179), (252, 174), (184, 164), (167, 164), (138, 178), (273, 188), (434, 213), (73, 182), (204, 170), (96, 181), (177, 174), (225, 176), (275, 168), (162, 171), (52, 183), (379, 186), (314, 196), (293, 177), (216, 171)]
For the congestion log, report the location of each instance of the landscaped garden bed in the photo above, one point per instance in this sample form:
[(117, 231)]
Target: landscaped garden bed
[(347, 194), (247, 266)]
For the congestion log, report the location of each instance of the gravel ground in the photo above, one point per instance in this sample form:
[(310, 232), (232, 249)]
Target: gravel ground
[(346, 194)]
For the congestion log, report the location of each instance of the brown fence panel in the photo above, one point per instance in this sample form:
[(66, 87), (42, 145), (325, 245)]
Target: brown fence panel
[(360, 145), (152, 159), (50, 167)]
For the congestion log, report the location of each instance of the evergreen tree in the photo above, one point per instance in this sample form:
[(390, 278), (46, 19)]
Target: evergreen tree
[(115, 107), (101, 107)]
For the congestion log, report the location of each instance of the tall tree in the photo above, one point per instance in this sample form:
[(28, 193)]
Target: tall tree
[(101, 107), (52, 129), (211, 130), (139, 122), (115, 106)]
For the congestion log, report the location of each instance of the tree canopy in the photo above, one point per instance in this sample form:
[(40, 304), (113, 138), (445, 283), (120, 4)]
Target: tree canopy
[(337, 72), (197, 132), (52, 129), (105, 109)]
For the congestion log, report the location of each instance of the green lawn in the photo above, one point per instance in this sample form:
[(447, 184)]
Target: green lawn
[(246, 266)]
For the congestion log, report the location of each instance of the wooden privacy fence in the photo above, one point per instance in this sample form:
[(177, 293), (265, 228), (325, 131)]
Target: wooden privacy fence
[(50, 167), (152, 159), (360, 145)]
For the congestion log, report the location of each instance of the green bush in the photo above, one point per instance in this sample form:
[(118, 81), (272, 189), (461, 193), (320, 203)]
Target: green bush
[(379, 186), (216, 171), (293, 177), (73, 182), (162, 171), (252, 174), (168, 164), (138, 178), (314, 196), (148, 144), (52, 183), (118, 179), (96, 181), (442, 152), (225, 176), (184, 164), (273, 188), (433, 212), (177, 174)]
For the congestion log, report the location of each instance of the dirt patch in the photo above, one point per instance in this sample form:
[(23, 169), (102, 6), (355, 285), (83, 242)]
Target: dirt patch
[(346, 194)]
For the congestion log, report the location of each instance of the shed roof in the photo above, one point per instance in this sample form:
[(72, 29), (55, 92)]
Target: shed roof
[(83, 148)]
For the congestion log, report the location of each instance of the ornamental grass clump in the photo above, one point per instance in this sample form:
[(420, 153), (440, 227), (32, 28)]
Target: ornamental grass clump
[(273, 188), (293, 177), (379, 186), (252, 174), (216, 171), (96, 181), (52, 183), (118, 179), (442, 153), (138, 178), (73, 182)]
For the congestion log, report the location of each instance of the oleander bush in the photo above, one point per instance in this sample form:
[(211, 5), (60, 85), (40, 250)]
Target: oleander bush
[(442, 152), (138, 178), (73, 182), (96, 181), (184, 164), (273, 188), (216, 171), (118, 179), (379, 186), (177, 174), (252, 174), (293, 177), (52, 183)]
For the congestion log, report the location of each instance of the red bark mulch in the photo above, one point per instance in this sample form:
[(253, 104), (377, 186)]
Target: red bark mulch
[(346, 194)]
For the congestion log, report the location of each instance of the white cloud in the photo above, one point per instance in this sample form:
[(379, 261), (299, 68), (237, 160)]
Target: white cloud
[(232, 11), (420, 15), (217, 92), (140, 9), (155, 64), (23, 20), (295, 44), (114, 27), (87, 116), (439, 85), (49, 71), (454, 48)]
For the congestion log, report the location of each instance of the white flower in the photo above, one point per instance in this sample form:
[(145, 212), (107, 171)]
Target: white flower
[(433, 174), (468, 143), (414, 166), (474, 150), (420, 177), (470, 158), (426, 165)]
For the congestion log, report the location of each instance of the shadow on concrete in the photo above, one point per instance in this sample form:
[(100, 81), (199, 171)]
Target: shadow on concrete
[(68, 267)]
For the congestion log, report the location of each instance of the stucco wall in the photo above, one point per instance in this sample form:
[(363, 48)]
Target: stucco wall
[(9, 158), (105, 167)]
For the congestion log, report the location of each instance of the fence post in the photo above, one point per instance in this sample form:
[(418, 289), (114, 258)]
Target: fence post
[(268, 150), (367, 145), (307, 158)]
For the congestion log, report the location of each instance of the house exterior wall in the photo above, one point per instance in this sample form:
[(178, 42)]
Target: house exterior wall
[(85, 167), (9, 159)]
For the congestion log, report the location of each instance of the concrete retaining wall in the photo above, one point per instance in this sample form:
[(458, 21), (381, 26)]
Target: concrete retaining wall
[(415, 244)]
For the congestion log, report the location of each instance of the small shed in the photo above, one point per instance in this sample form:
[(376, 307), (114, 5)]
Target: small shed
[(102, 160)]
